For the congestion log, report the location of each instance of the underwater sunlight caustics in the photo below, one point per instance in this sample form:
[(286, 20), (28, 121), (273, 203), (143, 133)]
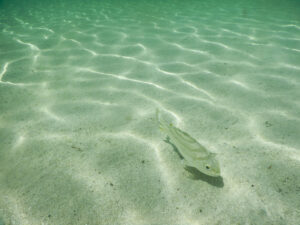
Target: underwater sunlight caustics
[(194, 154)]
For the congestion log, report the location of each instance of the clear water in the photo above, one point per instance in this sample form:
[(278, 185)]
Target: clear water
[(79, 85)]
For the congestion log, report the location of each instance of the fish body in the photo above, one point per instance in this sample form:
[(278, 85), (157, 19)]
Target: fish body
[(192, 151)]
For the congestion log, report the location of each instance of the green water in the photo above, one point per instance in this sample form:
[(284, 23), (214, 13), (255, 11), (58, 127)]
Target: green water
[(79, 85)]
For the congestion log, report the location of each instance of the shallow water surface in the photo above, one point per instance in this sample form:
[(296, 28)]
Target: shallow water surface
[(79, 85)]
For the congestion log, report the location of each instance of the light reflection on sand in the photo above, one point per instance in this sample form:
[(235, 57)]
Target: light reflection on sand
[(79, 86)]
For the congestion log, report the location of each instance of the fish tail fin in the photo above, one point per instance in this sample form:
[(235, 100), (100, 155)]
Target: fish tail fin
[(160, 123)]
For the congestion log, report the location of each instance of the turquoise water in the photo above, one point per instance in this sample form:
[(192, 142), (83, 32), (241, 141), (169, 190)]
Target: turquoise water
[(79, 85)]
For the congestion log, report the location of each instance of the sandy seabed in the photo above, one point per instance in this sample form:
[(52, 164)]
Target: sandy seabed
[(79, 85)]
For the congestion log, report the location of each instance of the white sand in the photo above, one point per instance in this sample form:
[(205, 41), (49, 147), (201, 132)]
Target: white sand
[(79, 85)]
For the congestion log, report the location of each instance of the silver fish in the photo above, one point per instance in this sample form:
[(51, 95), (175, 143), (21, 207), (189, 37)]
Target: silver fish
[(192, 151)]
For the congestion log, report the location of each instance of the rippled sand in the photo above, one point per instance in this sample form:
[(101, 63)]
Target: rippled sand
[(79, 85)]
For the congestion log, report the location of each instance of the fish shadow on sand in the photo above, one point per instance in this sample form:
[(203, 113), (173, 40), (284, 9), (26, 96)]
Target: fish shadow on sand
[(196, 174)]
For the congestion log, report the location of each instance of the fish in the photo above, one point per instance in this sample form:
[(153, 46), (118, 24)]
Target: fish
[(194, 154)]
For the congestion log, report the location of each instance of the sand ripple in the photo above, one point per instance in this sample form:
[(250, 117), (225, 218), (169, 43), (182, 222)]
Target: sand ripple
[(79, 85)]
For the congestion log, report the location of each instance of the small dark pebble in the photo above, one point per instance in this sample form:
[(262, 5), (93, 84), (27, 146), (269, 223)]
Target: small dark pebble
[(252, 185), (49, 215), (268, 124), (77, 148), (111, 184), (143, 161), (286, 180)]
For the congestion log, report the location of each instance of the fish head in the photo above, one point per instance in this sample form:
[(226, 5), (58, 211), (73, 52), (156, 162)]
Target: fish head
[(209, 166)]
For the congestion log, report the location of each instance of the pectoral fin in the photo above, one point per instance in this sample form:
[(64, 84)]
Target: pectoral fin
[(185, 163)]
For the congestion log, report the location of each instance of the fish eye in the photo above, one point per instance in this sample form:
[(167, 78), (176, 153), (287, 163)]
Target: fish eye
[(207, 167)]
